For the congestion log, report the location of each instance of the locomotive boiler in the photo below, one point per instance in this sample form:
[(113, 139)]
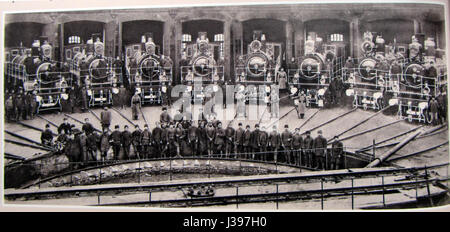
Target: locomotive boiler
[(92, 69), (34, 71), (149, 73)]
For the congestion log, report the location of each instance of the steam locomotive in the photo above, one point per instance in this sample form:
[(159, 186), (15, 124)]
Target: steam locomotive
[(93, 70), (397, 74), (34, 71), (312, 73), (148, 72), (202, 63)]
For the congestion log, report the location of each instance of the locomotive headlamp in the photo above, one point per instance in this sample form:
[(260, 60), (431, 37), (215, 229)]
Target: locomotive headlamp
[(138, 90), (293, 90), (321, 92), (393, 101), (267, 89), (377, 95), (215, 88), (423, 105), (38, 98), (189, 88), (164, 89), (64, 96), (115, 90), (89, 92)]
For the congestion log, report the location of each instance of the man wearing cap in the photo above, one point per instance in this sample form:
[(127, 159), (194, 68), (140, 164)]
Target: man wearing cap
[(274, 142), (126, 142), (93, 140), (61, 141), (165, 117), (105, 118), (210, 135), (263, 141), (65, 126), (180, 136), (104, 144), (72, 99), (83, 145), (136, 141), (229, 140), (202, 139), (172, 141), (247, 142), (135, 105), (47, 136), (193, 139), (157, 138), (87, 127), (434, 109), (297, 141), (286, 140), (337, 150), (146, 141), (308, 146), (255, 142), (123, 97), (19, 102), (164, 140), (219, 139), (84, 100), (239, 139), (116, 140), (320, 147), (9, 107)]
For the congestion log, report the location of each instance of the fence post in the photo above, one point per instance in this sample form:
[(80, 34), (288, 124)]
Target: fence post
[(98, 198), (321, 193), (170, 169), (150, 196), (382, 183), (237, 198), (373, 149), (277, 197), (353, 201)]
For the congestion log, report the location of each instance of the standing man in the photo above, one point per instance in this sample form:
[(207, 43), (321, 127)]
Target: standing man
[(434, 109), (9, 107), (255, 142), (93, 141), (165, 117), (123, 97), (84, 100), (337, 150), (116, 138), (146, 141), (47, 136), (263, 141), (87, 127), (274, 142), (105, 118), (19, 102), (229, 140), (65, 126), (220, 140), (164, 140), (210, 135), (297, 141), (286, 140), (136, 140), (193, 139), (172, 141), (72, 99), (157, 138), (308, 146), (104, 144), (443, 104), (83, 145), (135, 105), (320, 147), (126, 142), (239, 140), (247, 139)]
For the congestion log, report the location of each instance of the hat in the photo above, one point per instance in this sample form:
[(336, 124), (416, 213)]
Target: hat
[(286, 126), (105, 108), (117, 126), (335, 137), (164, 108), (319, 132), (76, 131), (256, 125), (146, 125), (308, 132), (240, 124)]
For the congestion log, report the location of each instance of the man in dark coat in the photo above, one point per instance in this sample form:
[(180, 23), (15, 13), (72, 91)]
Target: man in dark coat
[(308, 146), (210, 135), (286, 140), (9, 107), (246, 142), (173, 146), (84, 99), (87, 127), (297, 141), (164, 140), (124, 99), (72, 151), (19, 103), (239, 139), (105, 118), (72, 99), (116, 140), (263, 142), (135, 105), (136, 140), (443, 106), (65, 126), (220, 139), (193, 139), (47, 136), (83, 145), (93, 141), (274, 143), (146, 142), (157, 138), (104, 144), (165, 117), (434, 109), (126, 142), (320, 147), (337, 154), (202, 139), (229, 140), (255, 142)]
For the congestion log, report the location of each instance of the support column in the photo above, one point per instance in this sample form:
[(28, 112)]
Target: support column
[(289, 40), (356, 38), (119, 40), (227, 51), (299, 39), (177, 45), (417, 26)]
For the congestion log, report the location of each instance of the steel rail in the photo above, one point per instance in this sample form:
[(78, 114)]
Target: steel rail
[(271, 124), (390, 138), (27, 139), (417, 152), (333, 119), (51, 123), (33, 127), (123, 116), (143, 115), (332, 176), (95, 115), (368, 131), (80, 122), (309, 119), (28, 145)]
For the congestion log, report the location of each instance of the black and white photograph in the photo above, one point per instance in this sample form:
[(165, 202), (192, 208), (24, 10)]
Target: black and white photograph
[(291, 106)]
